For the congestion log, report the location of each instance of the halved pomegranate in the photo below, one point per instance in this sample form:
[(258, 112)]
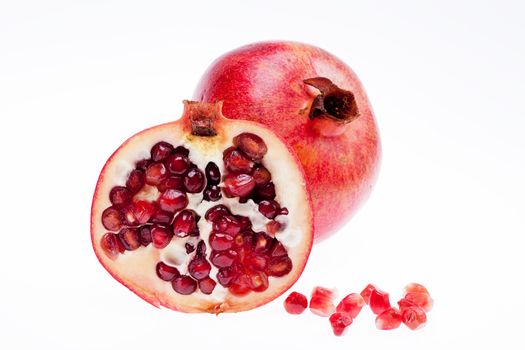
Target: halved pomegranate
[(181, 213)]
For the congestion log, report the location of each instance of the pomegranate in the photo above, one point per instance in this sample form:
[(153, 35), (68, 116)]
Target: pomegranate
[(180, 212), (314, 101)]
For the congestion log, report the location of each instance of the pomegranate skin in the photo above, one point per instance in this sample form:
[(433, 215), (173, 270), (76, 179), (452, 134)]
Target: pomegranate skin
[(264, 82)]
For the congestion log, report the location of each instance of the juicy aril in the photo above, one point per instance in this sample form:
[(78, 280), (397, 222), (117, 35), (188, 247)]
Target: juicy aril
[(317, 104), (204, 214)]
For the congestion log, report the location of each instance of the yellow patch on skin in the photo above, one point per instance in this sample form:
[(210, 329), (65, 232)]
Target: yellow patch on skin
[(305, 154)]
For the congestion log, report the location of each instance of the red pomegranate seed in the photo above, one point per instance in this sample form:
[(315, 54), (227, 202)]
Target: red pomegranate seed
[(212, 193), (112, 219), (130, 238), (207, 285), (172, 182), (136, 180), (277, 249), (166, 272), (388, 319), (295, 303), (379, 301), (365, 293), (237, 162), (156, 173), (213, 174), (262, 176), (266, 192), (194, 180), (414, 317), (181, 150), (404, 303), (189, 248), (143, 211), (262, 242), (270, 209), (226, 275), (178, 164), (227, 224), (145, 235), (322, 301), (256, 262), (244, 221), (224, 258), (415, 288), (120, 196), (340, 322), (216, 212), (160, 236), (184, 285), (238, 185), (240, 286), (351, 305), (199, 268), (273, 227), (173, 200), (251, 144), (279, 266), (185, 223), (111, 245), (161, 217), (201, 249), (423, 300), (258, 281), (143, 164), (161, 151), (245, 239), (220, 241)]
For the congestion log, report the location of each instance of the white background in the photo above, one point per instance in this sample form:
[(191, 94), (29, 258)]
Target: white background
[(446, 80)]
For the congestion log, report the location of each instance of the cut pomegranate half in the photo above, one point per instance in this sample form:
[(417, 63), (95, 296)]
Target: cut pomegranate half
[(204, 214)]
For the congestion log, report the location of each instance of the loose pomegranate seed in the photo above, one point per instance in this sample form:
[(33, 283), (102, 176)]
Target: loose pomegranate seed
[(156, 173), (365, 293), (145, 235), (414, 317), (181, 150), (262, 176), (277, 249), (194, 180), (173, 182), (237, 162), (224, 258), (160, 236), (112, 219), (212, 193), (178, 164), (199, 268), (189, 248), (379, 301), (295, 303), (322, 301), (136, 180), (226, 275), (173, 200), (161, 151), (266, 192), (161, 217), (423, 300), (227, 224), (351, 305), (262, 242), (388, 319), (270, 209), (256, 262), (273, 227), (279, 266), (111, 245), (238, 185), (207, 285), (213, 174), (130, 238), (340, 322), (258, 281), (120, 196), (143, 211), (185, 223), (404, 303), (240, 286), (251, 144), (184, 285), (216, 212), (166, 272), (415, 288), (220, 241)]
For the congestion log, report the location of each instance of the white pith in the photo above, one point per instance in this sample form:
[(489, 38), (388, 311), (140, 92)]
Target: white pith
[(136, 269)]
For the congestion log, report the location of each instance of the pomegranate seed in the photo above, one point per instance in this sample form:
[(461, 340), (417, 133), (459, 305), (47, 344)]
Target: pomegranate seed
[(258, 281), (295, 303), (111, 245), (365, 293), (340, 321), (423, 300), (379, 301), (161, 151), (227, 224), (173, 182), (185, 223), (216, 212), (142, 211), (199, 268), (256, 262), (160, 236), (277, 249), (166, 272), (213, 174), (273, 227), (322, 301), (143, 164), (212, 193), (156, 173), (194, 180), (120, 196), (283, 211), (415, 288), (220, 241), (161, 217), (145, 235), (184, 285), (270, 209), (262, 242), (136, 180), (251, 144), (224, 258), (262, 176), (226, 275), (245, 239), (181, 150), (173, 200), (238, 185), (351, 305), (189, 248), (414, 317), (240, 286), (279, 266), (388, 319), (178, 164), (207, 285), (112, 219), (266, 192), (237, 162), (130, 238), (404, 303), (201, 249), (244, 221)]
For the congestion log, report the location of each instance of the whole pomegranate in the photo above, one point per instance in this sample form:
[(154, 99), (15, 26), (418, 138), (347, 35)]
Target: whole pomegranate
[(203, 214), (317, 104)]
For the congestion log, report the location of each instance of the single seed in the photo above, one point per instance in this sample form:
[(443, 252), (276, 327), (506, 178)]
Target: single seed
[(112, 219), (160, 236), (213, 174), (178, 164), (160, 151), (251, 144), (295, 303), (120, 196), (130, 238), (184, 285), (238, 185), (216, 212), (173, 200), (185, 223), (194, 180), (236, 161), (199, 268), (136, 180), (156, 173), (207, 285), (212, 193), (166, 272)]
